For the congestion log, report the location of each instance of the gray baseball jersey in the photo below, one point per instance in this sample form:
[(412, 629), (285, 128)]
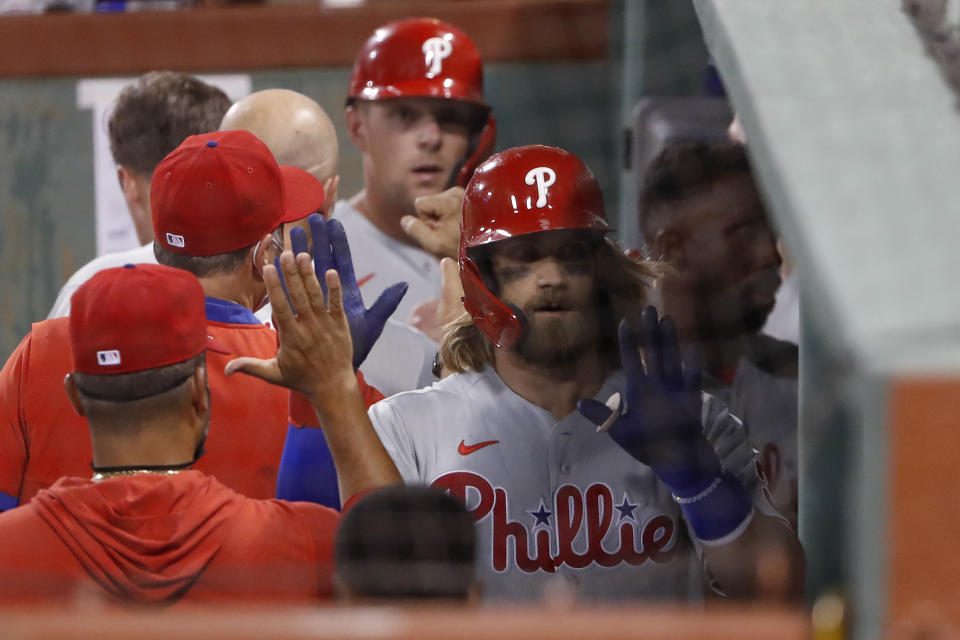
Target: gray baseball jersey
[(380, 261), (764, 395), (555, 501)]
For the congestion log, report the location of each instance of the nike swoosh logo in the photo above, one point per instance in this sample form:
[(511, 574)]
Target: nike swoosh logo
[(365, 279), (466, 449)]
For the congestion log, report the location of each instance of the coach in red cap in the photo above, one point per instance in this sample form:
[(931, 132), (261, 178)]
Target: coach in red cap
[(218, 202), (147, 527)]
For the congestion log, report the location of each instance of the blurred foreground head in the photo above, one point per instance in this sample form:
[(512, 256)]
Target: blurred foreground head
[(406, 543)]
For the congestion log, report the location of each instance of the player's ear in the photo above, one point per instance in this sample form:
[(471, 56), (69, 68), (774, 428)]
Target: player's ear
[(356, 127), (70, 386), (668, 245), (329, 195), (261, 255), (199, 395)]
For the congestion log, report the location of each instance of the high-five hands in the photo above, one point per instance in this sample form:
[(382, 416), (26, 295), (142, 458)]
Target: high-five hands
[(315, 356), (332, 251), (659, 420)]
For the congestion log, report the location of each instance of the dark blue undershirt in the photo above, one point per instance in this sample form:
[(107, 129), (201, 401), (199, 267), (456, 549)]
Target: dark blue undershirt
[(228, 312)]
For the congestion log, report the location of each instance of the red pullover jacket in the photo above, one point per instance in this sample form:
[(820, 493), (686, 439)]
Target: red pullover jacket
[(156, 539)]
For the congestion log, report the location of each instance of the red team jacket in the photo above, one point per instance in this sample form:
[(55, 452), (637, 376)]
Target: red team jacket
[(42, 439), (163, 539)]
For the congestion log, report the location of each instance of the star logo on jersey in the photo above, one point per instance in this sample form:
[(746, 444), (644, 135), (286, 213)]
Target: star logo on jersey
[(542, 516), (626, 509), (466, 449)]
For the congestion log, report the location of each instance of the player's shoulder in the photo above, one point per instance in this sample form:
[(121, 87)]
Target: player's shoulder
[(51, 332), (453, 391), (137, 255), (773, 356)]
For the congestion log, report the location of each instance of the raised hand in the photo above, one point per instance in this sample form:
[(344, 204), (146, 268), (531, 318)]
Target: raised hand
[(315, 356), (436, 227), (659, 420), (332, 251)]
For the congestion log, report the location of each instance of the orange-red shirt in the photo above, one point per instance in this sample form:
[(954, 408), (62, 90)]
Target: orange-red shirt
[(43, 439), (164, 539)]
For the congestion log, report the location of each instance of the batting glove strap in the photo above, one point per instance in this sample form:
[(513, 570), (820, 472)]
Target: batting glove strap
[(717, 510)]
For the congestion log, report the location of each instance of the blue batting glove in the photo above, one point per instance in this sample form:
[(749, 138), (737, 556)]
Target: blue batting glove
[(332, 251), (659, 421)]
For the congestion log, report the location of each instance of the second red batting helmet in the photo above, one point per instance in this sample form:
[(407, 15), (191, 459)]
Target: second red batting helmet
[(418, 57), (519, 191)]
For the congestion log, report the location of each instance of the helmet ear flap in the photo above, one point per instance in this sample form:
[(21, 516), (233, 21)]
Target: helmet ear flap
[(501, 324), (482, 148)]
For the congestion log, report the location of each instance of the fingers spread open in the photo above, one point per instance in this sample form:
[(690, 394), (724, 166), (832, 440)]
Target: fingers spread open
[(335, 297), (322, 256), (276, 291), (291, 274), (650, 342), (670, 349), (629, 350), (298, 241), (342, 261), (311, 285)]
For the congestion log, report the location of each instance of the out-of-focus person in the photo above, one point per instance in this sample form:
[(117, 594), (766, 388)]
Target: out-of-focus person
[(150, 118), (701, 212)]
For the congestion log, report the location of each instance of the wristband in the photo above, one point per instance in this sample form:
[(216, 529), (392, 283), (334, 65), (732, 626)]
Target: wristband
[(717, 510)]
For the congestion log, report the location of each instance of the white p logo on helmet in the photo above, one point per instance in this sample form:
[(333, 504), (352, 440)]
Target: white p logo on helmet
[(543, 177), (434, 51)]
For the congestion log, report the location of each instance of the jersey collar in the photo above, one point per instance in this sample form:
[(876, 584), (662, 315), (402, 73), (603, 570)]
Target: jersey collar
[(229, 312)]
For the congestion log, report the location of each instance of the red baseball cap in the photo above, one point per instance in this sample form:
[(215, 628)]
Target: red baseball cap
[(223, 191), (137, 317)]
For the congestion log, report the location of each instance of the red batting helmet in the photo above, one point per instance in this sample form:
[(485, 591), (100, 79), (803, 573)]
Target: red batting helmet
[(516, 192), (418, 57)]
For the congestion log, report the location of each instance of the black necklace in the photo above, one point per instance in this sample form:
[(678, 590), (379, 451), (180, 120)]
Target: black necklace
[(101, 473)]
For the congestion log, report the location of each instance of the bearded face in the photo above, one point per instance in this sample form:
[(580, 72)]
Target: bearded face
[(550, 277)]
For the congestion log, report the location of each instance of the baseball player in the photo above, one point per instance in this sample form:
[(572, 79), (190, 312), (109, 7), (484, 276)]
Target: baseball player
[(299, 133), (587, 464), (150, 118), (147, 528), (702, 213), (416, 112)]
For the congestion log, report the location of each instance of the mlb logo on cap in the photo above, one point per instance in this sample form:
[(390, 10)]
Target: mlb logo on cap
[(135, 318), (223, 191), (108, 358)]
